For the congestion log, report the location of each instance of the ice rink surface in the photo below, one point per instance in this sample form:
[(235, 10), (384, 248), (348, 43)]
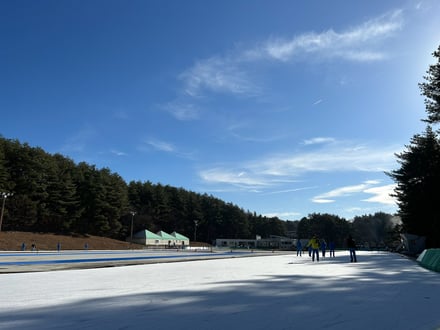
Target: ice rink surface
[(272, 291), (32, 261)]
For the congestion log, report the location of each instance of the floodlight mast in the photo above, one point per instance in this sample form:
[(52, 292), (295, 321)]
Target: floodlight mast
[(4, 195), (196, 222), (132, 218)]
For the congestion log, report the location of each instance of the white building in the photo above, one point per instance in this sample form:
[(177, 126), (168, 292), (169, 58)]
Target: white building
[(273, 242)]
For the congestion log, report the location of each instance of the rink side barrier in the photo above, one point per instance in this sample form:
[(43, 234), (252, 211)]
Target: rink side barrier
[(430, 259)]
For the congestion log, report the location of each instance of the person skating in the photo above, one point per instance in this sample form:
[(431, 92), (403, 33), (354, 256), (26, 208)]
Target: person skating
[(298, 248), (314, 244), (331, 248), (323, 247), (351, 244)]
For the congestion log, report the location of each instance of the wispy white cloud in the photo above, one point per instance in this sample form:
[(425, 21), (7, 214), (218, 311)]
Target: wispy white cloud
[(233, 177), (118, 153), (355, 44), (161, 145), (289, 190), (381, 194), (166, 147), (272, 170), (216, 74), (230, 74), (319, 140), (322, 200), (80, 140), (330, 158), (330, 196), (182, 110), (282, 215)]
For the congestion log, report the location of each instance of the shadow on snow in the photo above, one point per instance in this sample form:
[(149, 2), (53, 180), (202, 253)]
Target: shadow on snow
[(380, 286)]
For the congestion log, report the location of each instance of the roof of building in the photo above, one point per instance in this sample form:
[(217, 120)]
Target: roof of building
[(165, 235), (179, 236), (161, 235), (146, 234)]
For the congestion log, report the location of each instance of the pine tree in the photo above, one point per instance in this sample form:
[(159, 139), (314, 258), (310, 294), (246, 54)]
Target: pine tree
[(417, 181), (431, 90), (418, 178)]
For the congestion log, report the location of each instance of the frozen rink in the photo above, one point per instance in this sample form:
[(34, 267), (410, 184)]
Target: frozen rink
[(381, 291)]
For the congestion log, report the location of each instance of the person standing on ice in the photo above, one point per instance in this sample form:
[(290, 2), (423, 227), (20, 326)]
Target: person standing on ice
[(298, 248), (351, 244), (323, 247), (314, 244), (331, 248)]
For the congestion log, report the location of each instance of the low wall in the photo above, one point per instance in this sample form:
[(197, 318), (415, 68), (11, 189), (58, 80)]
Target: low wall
[(430, 259)]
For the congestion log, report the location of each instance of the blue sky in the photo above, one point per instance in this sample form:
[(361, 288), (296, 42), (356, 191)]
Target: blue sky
[(284, 108)]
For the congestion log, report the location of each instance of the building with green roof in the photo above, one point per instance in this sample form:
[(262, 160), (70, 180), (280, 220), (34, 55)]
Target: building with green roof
[(146, 237), (160, 239), (167, 238), (180, 239)]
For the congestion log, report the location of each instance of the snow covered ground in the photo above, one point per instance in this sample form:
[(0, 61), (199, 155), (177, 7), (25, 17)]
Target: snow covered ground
[(381, 291)]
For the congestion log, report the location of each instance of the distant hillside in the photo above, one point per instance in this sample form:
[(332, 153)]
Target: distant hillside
[(11, 241), (53, 194)]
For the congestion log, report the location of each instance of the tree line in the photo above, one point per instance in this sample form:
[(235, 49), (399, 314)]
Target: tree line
[(376, 231), (51, 193)]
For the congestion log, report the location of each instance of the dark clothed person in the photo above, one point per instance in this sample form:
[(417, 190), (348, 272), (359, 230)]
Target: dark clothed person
[(351, 244)]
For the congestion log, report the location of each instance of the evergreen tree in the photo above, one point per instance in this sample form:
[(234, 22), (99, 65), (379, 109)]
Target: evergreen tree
[(27, 181), (140, 196), (4, 177), (327, 226), (419, 175), (53, 194), (431, 90), (418, 180), (376, 230)]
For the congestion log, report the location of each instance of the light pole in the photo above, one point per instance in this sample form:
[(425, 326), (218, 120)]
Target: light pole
[(132, 218), (196, 222), (4, 196)]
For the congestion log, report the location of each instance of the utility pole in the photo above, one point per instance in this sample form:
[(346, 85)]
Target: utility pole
[(196, 222), (132, 218), (4, 195)]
